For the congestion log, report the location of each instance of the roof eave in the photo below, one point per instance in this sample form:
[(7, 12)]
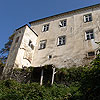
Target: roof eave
[(28, 27), (96, 5)]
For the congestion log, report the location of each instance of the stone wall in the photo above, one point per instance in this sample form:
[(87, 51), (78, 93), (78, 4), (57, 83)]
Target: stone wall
[(21, 75)]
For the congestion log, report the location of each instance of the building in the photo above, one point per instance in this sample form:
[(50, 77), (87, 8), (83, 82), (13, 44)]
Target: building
[(64, 40)]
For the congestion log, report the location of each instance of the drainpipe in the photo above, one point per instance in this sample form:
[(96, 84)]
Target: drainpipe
[(53, 75), (41, 80)]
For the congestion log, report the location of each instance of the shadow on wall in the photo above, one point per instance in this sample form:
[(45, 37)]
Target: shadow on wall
[(42, 75), (47, 75)]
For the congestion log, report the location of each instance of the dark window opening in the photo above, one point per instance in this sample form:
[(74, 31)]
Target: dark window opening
[(17, 39), (30, 42), (62, 23), (42, 44), (49, 57), (45, 28), (91, 53), (31, 45)]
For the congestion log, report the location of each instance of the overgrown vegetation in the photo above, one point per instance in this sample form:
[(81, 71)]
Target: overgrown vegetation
[(11, 90), (82, 83)]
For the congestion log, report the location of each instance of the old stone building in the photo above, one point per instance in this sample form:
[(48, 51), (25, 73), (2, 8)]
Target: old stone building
[(63, 40)]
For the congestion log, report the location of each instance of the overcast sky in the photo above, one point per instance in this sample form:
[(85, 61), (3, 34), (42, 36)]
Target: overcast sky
[(15, 13)]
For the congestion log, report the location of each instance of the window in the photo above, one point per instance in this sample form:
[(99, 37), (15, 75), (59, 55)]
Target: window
[(61, 40), (16, 39), (31, 44), (91, 53), (88, 18), (62, 23), (89, 35), (45, 28), (42, 44), (49, 57)]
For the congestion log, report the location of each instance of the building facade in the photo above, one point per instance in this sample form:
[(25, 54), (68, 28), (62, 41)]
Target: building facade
[(63, 40)]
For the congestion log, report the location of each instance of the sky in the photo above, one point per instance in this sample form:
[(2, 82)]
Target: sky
[(16, 13)]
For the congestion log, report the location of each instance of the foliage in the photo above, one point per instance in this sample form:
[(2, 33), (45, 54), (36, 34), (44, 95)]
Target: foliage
[(81, 83), (90, 82), (67, 76), (11, 90), (4, 51)]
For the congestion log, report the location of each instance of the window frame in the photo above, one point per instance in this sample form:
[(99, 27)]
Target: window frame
[(43, 43), (63, 23), (88, 16), (45, 28), (60, 39), (89, 34)]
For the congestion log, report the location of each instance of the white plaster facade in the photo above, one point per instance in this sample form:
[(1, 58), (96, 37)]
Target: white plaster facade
[(73, 53)]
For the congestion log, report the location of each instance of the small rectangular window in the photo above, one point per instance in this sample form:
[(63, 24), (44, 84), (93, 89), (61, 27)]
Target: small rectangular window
[(62, 23), (31, 44), (88, 18), (91, 53), (61, 40), (89, 35), (42, 44), (16, 39), (45, 28)]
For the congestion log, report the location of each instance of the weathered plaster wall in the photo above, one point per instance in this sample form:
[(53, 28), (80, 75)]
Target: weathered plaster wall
[(21, 53), (12, 54), (74, 52), (25, 52)]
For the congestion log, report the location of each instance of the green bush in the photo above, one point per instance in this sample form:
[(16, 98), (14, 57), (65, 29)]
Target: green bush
[(82, 83), (67, 76), (11, 90)]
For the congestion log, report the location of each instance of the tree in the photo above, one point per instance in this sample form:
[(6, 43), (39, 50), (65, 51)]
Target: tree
[(4, 51)]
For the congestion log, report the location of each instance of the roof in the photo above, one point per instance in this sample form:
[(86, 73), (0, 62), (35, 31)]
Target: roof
[(21, 27), (93, 6), (25, 26)]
